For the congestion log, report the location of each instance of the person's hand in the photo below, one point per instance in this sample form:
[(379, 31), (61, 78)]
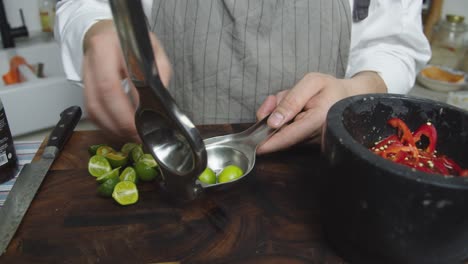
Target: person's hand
[(104, 68), (307, 104)]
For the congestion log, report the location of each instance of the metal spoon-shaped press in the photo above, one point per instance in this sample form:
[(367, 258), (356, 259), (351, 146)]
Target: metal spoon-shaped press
[(236, 149), (166, 131)]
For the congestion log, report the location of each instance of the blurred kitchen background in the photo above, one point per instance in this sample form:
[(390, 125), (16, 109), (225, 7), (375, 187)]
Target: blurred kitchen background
[(32, 106)]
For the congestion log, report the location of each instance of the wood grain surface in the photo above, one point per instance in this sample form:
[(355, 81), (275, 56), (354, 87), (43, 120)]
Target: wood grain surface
[(270, 216)]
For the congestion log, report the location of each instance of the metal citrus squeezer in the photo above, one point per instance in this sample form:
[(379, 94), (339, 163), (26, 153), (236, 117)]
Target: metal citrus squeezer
[(165, 130)]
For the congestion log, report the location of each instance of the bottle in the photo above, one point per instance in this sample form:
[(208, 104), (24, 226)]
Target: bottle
[(8, 159), (448, 42), (47, 15)]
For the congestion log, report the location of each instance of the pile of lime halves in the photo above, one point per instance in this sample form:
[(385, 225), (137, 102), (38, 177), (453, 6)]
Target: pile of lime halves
[(118, 172)]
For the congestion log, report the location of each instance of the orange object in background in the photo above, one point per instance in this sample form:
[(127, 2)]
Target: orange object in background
[(436, 73), (13, 76)]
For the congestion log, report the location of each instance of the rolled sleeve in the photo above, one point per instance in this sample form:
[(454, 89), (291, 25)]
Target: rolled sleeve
[(390, 42), (73, 19)]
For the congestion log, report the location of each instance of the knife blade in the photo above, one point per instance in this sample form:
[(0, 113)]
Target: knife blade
[(31, 176)]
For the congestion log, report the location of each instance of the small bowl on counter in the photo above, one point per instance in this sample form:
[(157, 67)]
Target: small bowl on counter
[(378, 211), (442, 79)]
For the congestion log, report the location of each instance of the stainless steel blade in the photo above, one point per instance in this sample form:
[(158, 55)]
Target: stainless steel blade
[(26, 185), (31, 176)]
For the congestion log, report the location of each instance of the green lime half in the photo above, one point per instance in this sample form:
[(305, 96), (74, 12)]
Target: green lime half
[(104, 150), (208, 176), (92, 149), (230, 173), (145, 172), (129, 174), (127, 147), (108, 175), (98, 165), (149, 160), (117, 159), (125, 193), (136, 153), (107, 187)]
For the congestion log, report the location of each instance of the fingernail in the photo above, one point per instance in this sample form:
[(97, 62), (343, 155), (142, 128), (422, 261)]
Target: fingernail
[(276, 119)]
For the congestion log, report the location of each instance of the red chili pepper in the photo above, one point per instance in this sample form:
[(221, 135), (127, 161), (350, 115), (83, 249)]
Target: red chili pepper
[(439, 166), (451, 165), (401, 156), (404, 133), (401, 148), (387, 141), (392, 152), (430, 132)]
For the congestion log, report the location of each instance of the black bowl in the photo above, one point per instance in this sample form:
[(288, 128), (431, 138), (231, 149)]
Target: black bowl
[(378, 211)]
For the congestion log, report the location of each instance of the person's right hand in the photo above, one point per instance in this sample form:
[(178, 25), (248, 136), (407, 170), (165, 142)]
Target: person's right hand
[(104, 68)]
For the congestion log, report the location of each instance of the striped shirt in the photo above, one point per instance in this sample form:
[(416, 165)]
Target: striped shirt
[(229, 55)]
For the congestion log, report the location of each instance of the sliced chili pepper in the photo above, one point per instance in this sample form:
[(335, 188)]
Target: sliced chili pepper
[(430, 132), (392, 152), (404, 133), (451, 165), (386, 141), (401, 156), (401, 148), (423, 168), (439, 166)]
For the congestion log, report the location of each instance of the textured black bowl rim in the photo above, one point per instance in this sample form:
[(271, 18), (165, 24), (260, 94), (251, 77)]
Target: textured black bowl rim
[(336, 126)]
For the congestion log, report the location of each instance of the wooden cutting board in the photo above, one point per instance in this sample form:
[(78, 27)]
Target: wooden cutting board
[(271, 216)]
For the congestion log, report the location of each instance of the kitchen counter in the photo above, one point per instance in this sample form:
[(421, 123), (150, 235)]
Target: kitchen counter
[(270, 216), (420, 91)]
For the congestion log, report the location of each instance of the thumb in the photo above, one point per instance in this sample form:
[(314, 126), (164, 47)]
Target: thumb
[(294, 102)]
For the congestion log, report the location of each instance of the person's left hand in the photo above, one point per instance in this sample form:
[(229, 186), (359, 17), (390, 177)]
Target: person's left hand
[(307, 104)]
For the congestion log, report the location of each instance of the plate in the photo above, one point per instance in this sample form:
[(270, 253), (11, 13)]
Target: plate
[(440, 85)]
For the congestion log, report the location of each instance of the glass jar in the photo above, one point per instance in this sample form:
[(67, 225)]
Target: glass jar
[(8, 159), (448, 48)]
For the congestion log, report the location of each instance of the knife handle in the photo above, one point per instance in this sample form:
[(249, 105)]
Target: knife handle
[(69, 118)]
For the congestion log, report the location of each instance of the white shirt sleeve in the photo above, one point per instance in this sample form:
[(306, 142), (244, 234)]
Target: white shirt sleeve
[(390, 41), (73, 19)]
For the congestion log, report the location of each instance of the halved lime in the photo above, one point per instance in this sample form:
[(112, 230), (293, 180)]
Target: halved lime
[(145, 172), (207, 176), (125, 193), (230, 173), (92, 149), (107, 187), (136, 153), (108, 175), (148, 160), (104, 150), (98, 165), (127, 147), (129, 174), (117, 159)]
